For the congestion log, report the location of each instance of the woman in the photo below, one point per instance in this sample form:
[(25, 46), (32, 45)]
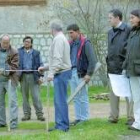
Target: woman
[(132, 65)]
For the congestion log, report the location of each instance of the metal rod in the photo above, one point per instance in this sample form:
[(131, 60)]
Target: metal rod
[(9, 103), (48, 109), (21, 70)]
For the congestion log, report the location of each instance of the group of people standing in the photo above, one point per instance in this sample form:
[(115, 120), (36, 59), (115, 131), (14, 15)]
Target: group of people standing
[(123, 58), (71, 62), (19, 66)]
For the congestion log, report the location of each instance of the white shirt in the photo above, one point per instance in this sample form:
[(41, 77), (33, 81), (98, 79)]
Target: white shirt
[(59, 55)]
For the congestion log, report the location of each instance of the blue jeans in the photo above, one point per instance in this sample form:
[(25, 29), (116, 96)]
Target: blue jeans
[(13, 106), (81, 101), (60, 100)]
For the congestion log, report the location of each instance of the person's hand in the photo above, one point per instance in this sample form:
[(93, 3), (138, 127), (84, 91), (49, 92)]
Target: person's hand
[(41, 69), (1, 71), (87, 78), (50, 79), (40, 81), (124, 72)]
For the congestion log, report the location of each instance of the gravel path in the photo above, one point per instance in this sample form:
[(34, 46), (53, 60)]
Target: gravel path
[(97, 110)]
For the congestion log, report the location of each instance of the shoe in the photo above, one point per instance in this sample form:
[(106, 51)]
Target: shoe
[(113, 121), (25, 118), (74, 122), (13, 127), (41, 118), (2, 125), (133, 128), (130, 122), (53, 128)]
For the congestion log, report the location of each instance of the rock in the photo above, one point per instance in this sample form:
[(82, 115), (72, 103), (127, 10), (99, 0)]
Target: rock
[(102, 96)]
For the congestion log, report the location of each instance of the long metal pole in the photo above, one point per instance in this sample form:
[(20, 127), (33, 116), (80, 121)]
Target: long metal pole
[(20, 70), (9, 103), (48, 104)]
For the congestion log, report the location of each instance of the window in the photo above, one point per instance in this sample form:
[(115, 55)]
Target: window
[(22, 2)]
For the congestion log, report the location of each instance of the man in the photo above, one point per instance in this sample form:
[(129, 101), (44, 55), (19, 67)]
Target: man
[(8, 81), (117, 38), (59, 73), (29, 62), (83, 63)]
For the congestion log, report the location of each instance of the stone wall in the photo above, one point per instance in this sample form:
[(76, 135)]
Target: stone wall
[(42, 42)]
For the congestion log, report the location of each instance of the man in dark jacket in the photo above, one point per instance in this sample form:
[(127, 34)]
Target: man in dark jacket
[(8, 81), (117, 39), (83, 63), (29, 62)]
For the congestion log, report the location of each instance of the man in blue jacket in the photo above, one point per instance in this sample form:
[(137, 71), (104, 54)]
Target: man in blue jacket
[(29, 59), (83, 63)]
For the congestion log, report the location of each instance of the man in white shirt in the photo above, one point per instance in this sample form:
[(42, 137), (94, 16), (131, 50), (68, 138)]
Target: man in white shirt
[(59, 73)]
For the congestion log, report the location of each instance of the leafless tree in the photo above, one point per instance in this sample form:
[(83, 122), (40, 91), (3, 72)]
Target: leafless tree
[(91, 16)]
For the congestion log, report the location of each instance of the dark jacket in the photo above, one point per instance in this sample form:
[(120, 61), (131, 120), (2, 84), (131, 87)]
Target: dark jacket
[(117, 48), (132, 62), (36, 63), (86, 58), (13, 62)]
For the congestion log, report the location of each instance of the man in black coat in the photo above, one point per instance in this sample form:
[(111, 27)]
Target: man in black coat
[(117, 39)]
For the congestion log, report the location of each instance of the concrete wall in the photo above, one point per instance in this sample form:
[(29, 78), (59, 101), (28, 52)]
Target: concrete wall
[(35, 19), (24, 19)]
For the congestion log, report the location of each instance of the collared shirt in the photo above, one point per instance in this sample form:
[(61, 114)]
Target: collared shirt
[(3, 65), (115, 29), (74, 50), (59, 55), (27, 59), (119, 24)]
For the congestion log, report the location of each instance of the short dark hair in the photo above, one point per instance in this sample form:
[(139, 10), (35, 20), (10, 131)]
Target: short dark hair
[(73, 27), (28, 37), (116, 13)]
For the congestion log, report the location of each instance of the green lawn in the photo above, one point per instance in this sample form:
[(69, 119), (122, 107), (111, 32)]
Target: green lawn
[(43, 90), (95, 129)]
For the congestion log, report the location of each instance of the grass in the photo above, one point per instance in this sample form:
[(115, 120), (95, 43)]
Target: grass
[(95, 129), (43, 91)]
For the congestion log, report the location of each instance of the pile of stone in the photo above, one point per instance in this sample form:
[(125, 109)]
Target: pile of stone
[(102, 96)]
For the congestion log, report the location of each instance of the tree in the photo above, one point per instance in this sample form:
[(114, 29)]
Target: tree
[(91, 16)]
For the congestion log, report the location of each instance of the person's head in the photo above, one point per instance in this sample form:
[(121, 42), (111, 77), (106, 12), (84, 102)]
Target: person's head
[(135, 18), (56, 26), (115, 17), (28, 41), (5, 42), (73, 31)]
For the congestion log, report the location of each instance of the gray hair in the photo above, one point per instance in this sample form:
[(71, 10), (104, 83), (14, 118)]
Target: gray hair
[(56, 25), (3, 36)]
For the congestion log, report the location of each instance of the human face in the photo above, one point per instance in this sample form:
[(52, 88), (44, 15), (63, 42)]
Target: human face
[(27, 43), (73, 34), (114, 21), (5, 43), (134, 20)]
